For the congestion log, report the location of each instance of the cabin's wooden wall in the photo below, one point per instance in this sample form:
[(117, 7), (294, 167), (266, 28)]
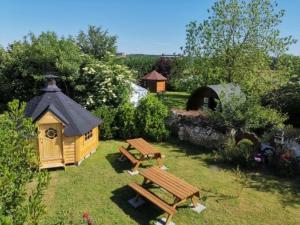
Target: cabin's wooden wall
[(84, 147), (69, 150), (47, 118), (160, 86)]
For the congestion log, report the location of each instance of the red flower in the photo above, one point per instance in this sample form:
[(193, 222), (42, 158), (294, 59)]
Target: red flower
[(85, 216)]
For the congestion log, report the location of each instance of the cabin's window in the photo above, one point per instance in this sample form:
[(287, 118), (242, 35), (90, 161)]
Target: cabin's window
[(51, 133), (88, 135)]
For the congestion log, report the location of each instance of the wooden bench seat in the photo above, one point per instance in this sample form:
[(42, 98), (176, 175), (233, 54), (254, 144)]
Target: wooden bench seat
[(155, 200), (128, 155)]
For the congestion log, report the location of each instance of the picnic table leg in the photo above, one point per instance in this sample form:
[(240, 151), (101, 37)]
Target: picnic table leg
[(121, 158), (169, 219), (138, 164), (145, 181), (174, 205), (195, 200), (136, 198), (177, 202), (159, 159)]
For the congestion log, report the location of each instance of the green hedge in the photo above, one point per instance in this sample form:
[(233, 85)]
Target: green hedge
[(126, 121), (151, 115)]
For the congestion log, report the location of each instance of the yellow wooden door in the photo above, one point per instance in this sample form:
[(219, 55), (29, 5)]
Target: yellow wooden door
[(160, 86), (50, 138)]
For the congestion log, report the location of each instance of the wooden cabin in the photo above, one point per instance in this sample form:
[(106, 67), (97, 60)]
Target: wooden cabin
[(154, 82), (67, 132)]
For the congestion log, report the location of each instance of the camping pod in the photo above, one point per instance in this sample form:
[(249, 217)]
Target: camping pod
[(67, 132), (208, 96), (154, 82)]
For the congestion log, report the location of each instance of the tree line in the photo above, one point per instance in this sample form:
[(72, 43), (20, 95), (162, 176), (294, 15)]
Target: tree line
[(24, 63)]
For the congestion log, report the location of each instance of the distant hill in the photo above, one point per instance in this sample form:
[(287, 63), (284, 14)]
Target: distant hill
[(146, 55)]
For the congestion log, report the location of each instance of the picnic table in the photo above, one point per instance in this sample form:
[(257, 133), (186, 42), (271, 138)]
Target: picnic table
[(181, 190), (146, 152)]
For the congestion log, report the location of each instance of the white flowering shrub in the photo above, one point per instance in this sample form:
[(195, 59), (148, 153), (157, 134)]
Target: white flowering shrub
[(104, 83)]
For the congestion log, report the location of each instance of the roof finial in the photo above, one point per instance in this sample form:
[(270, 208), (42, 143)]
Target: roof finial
[(50, 76), (51, 83)]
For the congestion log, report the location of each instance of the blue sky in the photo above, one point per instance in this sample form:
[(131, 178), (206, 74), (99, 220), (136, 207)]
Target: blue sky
[(142, 26)]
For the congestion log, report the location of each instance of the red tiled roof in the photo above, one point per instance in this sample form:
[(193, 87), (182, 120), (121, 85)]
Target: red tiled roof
[(153, 76)]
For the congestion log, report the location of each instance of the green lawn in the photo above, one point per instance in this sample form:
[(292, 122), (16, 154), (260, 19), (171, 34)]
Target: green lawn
[(98, 186), (174, 99)]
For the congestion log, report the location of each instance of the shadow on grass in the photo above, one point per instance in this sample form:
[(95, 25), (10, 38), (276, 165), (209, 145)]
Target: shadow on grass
[(261, 180), (144, 214), (193, 152), (57, 169), (124, 165), (119, 166), (182, 146), (288, 188)]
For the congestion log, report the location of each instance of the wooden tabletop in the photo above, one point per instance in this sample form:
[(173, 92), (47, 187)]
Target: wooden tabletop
[(169, 182), (142, 146)]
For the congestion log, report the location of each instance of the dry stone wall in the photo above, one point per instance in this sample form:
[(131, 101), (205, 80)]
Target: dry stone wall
[(193, 127)]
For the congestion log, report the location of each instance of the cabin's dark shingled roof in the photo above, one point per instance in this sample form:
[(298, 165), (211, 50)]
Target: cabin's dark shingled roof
[(77, 119), (154, 75)]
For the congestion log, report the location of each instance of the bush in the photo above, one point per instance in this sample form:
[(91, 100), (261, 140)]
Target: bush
[(19, 168), (286, 165), (287, 100), (187, 83), (247, 116), (150, 118), (125, 121), (104, 83), (261, 119), (238, 154), (107, 128)]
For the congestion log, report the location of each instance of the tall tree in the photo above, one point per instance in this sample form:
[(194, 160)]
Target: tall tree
[(142, 64), (24, 64), (238, 37), (286, 98), (96, 42), (164, 65), (27, 61), (289, 64), (2, 77)]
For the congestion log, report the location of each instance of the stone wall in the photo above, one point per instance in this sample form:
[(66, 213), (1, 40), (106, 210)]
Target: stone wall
[(193, 127)]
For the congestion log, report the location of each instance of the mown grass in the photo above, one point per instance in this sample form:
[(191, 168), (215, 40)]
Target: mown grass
[(99, 186), (174, 99)]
